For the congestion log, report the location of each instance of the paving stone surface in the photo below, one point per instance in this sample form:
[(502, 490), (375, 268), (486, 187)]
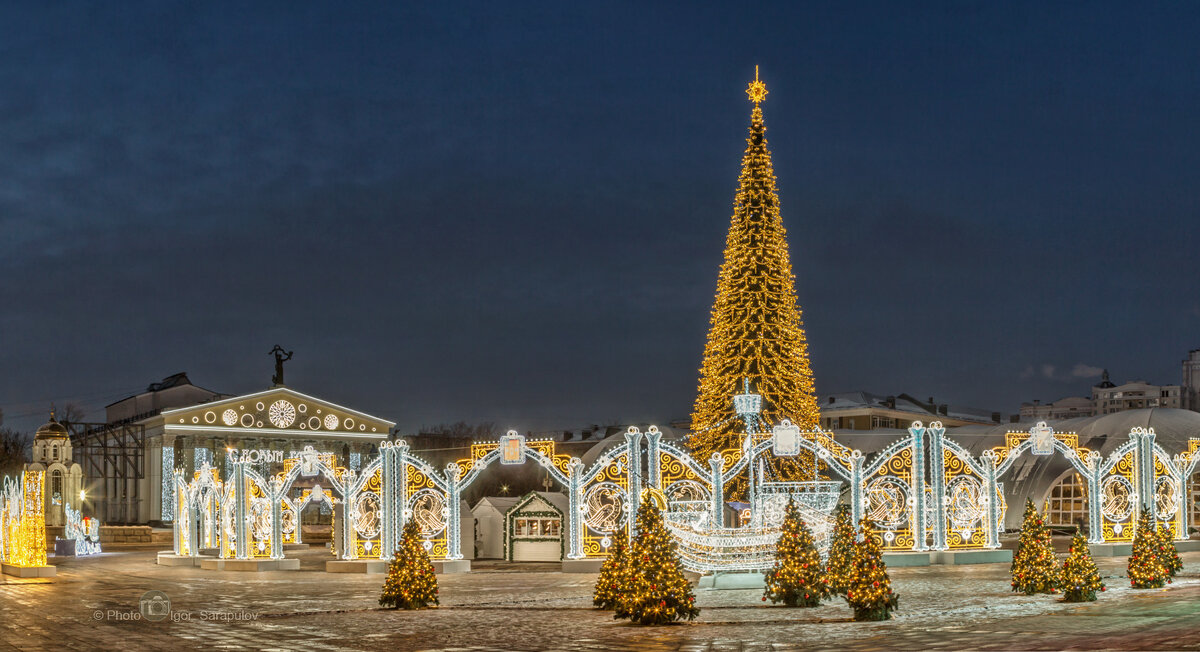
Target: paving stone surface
[(94, 604)]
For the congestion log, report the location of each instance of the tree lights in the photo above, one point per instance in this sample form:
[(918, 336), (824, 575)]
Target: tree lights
[(1146, 569), (1034, 567), (657, 592), (1167, 553), (869, 591), (756, 330), (1079, 579), (839, 565), (614, 573), (411, 582), (798, 577)]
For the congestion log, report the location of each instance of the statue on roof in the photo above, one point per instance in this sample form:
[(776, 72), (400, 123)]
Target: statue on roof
[(281, 357)]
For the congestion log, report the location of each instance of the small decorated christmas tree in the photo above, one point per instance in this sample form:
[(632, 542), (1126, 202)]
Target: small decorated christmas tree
[(840, 563), (797, 579), (411, 583), (1146, 569), (614, 573), (1034, 567), (1080, 579), (657, 592), (1167, 553), (870, 593)]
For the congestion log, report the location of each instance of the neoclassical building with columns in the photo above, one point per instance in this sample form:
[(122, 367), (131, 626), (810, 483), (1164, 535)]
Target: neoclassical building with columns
[(188, 427)]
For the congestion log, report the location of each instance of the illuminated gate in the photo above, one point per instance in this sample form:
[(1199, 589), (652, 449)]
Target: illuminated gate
[(922, 492)]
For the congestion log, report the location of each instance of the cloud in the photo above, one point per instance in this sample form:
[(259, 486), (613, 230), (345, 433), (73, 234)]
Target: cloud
[(1048, 371), (1086, 371)]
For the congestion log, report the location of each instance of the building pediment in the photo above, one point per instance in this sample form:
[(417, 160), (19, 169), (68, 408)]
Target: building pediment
[(276, 411)]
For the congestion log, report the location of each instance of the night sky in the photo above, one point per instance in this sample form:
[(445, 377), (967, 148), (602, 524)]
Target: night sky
[(515, 212)]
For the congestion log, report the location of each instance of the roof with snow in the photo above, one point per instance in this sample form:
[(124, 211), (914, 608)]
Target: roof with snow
[(901, 403)]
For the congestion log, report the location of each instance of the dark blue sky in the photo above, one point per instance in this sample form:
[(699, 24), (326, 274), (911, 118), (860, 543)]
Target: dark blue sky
[(516, 212)]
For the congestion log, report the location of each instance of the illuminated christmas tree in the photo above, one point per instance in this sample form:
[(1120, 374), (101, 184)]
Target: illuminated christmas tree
[(1080, 579), (410, 583), (839, 566), (870, 593), (1034, 567), (756, 331), (1146, 569), (614, 573), (797, 579), (657, 592), (1167, 553)]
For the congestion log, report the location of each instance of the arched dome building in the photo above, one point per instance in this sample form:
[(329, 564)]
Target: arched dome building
[(64, 478)]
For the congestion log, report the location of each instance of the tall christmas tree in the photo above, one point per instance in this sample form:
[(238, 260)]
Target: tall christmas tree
[(1080, 579), (839, 566), (756, 331), (1034, 567), (657, 592), (410, 583), (614, 573), (798, 578), (1168, 554), (870, 593), (1146, 569)]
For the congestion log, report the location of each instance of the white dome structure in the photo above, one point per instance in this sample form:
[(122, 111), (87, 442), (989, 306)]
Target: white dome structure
[(64, 478)]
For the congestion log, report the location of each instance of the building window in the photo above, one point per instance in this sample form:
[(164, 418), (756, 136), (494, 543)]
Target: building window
[(1067, 502), (882, 422), (536, 527)]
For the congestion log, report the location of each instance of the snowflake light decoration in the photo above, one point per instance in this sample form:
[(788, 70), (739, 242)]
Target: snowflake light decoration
[(282, 414)]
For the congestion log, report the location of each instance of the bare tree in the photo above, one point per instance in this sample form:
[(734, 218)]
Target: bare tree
[(70, 413), (14, 447), (463, 430)]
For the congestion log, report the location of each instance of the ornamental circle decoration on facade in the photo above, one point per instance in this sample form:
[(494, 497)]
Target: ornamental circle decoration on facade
[(331, 422), (1117, 493), (366, 515), (604, 503), (229, 417), (247, 420), (348, 423), (427, 506), (210, 417), (965, 508), (282, 414), (314, 423), (1165, 501), (887, 502)]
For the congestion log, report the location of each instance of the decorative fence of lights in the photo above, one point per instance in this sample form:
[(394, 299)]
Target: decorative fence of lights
[(23, 520), (922, 492)]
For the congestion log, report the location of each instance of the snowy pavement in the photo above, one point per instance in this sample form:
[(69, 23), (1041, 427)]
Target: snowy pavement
[(90, 605)]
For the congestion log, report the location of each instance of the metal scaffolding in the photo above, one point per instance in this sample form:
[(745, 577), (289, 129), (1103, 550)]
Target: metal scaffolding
[(113, 457)]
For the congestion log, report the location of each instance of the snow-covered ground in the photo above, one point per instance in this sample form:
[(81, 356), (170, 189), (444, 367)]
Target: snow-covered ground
[(502, 607)]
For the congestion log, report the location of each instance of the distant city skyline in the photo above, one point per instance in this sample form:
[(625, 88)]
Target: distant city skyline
[(485, 214)]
